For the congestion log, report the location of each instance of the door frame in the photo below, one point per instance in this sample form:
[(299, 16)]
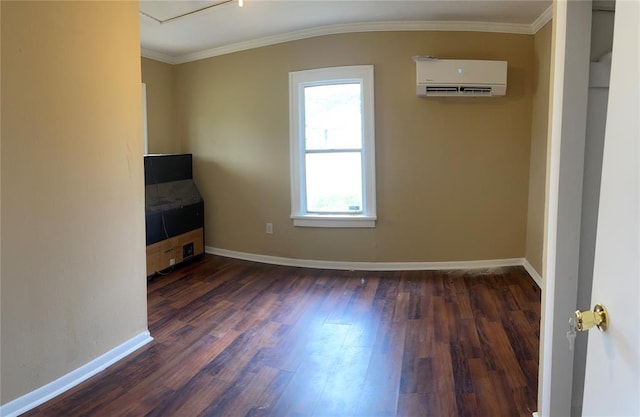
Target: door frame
[(571, 36)]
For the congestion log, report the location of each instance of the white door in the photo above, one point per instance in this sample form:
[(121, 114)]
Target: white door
[(612, 378)]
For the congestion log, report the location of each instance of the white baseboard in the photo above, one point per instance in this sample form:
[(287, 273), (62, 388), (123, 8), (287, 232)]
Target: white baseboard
[(534, 274), (45, 393), (365, 266)]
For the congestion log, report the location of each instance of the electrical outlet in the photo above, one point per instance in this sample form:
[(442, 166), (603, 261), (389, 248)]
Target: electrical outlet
[(172, 262), (269, 228)]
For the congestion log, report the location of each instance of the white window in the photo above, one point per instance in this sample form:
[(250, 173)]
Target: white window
[(332, 147)]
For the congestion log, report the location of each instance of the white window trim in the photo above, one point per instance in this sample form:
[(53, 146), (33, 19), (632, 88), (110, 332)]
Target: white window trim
[(297, 81)]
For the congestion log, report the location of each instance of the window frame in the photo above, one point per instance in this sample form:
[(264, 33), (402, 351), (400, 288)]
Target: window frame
[(298, 80)]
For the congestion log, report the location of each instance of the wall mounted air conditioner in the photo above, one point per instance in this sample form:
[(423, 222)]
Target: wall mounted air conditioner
[(460, 78)]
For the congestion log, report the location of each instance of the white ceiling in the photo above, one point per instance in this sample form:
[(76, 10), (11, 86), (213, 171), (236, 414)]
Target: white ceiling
[(177, 31)]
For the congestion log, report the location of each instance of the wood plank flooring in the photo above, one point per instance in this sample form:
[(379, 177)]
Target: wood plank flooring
[(235, 338)]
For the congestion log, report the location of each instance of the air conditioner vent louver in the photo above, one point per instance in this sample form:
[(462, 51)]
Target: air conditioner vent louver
[(442, 90), (476, 90)]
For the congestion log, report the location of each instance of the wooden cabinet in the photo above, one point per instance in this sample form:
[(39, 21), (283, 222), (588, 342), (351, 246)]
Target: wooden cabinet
[(161, 255)]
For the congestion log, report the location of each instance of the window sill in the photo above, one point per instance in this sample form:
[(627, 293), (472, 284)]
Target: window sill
[(334, 221)]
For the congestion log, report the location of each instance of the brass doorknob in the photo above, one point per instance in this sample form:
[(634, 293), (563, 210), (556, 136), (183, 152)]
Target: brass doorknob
[(585, 320)]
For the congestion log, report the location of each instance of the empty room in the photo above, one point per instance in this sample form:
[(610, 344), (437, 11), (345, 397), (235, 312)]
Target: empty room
[(315, 208)]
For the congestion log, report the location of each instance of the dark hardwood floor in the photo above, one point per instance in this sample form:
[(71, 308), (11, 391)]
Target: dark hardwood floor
[(235, 338)]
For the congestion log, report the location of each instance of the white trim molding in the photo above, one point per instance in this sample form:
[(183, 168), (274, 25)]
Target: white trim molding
[(542, 20), (532, 271), (396, 26), (334, 221), (355, 28), (157, 56), (45, 393), (373, 266)]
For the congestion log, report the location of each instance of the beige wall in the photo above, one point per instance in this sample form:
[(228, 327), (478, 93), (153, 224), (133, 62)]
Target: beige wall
[(161, 113), (452, 174), (538, 165), (73, 264)]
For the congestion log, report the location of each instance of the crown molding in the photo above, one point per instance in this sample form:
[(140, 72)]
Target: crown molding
[(158, 56), (355, 28), (542, 20), (400, 26)]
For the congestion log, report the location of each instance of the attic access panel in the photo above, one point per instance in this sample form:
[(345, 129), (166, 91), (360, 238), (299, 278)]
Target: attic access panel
[(166, 11)]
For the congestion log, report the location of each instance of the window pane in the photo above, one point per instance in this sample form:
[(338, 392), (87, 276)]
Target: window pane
[(333, 116), (334, 182)]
